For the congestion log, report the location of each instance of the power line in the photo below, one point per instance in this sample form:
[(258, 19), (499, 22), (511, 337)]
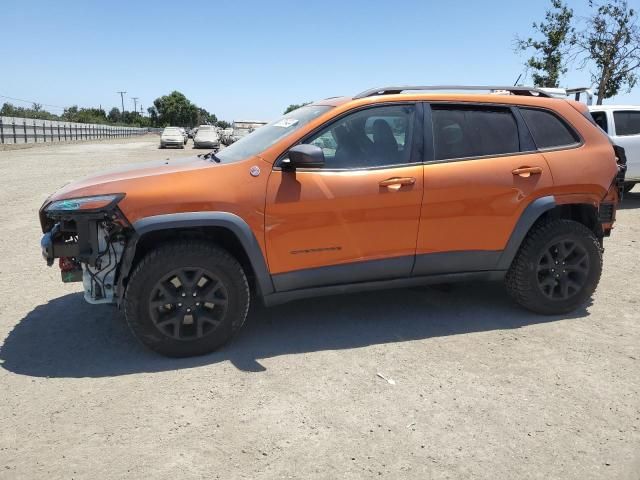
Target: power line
[(32, 102), (135, 104)]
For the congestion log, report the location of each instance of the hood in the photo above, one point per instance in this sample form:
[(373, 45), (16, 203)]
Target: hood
[(118, 180)]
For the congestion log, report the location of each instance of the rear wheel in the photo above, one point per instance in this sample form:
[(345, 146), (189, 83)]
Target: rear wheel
[(187, 298), (557, 268)]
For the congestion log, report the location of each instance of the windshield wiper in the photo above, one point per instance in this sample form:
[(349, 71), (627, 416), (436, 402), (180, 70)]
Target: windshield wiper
[(211, 156)]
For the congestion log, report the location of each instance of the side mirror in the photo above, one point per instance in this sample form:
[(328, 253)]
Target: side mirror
[(304, 156)]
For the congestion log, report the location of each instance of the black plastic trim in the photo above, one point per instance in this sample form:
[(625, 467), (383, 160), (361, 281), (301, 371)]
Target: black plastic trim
[(454, 262), (214, 219), (346, 273), (284, 297), (529, 216)]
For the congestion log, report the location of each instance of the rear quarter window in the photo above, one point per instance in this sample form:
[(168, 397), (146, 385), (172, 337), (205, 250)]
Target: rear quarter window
[(601, 120), (548, 130), (627, 122)]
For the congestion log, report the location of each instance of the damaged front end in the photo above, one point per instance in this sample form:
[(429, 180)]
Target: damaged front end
[(88, 235)]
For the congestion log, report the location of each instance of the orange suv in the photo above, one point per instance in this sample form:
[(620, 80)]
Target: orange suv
[(393, 187)]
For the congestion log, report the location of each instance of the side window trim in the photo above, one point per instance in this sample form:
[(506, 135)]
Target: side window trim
[(527, 144), (429, 149), (416, 139)]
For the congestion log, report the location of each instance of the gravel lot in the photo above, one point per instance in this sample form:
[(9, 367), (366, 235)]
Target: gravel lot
[(482, 388)]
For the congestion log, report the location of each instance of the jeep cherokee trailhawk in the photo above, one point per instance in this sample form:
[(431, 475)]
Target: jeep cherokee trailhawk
[(391, 188)]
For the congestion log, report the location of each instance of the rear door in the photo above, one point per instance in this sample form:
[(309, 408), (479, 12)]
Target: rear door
[(482, 171), (355, 219)]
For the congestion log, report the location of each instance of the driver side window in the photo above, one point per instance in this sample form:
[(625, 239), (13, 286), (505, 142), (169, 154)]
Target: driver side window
[(373, 137)]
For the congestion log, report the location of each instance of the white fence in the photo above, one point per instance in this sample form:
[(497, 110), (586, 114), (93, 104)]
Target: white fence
[(15, 130)]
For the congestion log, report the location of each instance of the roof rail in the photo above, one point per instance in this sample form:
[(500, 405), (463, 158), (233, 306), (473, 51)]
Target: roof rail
[(518, 90)]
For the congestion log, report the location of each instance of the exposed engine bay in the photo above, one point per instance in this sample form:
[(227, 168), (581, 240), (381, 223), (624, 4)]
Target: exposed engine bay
[(89, 246)]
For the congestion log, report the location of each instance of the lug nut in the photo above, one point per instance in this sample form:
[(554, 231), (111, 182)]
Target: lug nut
[(197, 304), (188, 310), (184, 294), (194, 294), (179, 304)]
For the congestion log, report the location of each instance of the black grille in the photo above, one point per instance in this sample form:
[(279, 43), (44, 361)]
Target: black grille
[(606, 212)]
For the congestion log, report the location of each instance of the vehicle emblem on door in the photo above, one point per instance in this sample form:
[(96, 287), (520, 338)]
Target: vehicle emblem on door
[(254, 171)]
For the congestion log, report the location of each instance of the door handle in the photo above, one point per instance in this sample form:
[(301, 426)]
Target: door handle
[(527, 171), (397, 181)]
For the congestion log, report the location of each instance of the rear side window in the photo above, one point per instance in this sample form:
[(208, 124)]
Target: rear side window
[(548, 131), (627, 122), (601, 120), (461, 132)]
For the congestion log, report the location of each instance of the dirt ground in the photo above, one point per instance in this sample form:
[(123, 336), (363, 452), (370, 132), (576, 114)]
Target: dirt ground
[(482, 389)]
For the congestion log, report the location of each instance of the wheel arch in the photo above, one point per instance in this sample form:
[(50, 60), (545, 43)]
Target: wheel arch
[(542, 209), (229, 231)]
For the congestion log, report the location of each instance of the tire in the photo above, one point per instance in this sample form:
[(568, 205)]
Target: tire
[(538, 279), (628, 187), (215, 316)]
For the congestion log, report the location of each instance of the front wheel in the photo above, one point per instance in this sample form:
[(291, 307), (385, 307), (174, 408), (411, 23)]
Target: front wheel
[(557, 268), (186, 298)]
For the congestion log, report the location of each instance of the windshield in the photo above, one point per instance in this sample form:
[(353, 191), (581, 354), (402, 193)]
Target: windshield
[(263, 137), (171, 130)]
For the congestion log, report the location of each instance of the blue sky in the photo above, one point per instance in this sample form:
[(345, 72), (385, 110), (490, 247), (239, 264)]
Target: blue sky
[(251, 59)]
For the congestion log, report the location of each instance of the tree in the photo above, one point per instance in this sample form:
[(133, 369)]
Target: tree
[(206, 118), (611, 44), (9, 110), (295, 106), (558, 35), (153, 116), (176, 110), (114, 115), (223, 124)]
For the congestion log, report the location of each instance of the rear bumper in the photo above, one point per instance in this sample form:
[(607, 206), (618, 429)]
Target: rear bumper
[(206, 144)]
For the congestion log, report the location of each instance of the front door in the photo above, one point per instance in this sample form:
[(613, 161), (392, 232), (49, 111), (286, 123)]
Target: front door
[(355, 219)]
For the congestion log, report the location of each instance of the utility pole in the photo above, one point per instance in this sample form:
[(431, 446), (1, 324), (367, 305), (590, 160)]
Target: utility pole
[(135, 104), (122, 100)]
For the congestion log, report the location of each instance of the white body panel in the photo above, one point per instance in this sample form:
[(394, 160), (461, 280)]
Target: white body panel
[(630, 143)]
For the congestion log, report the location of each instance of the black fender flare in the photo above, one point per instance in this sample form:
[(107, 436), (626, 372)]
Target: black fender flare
[(172, 221), (529, 216)]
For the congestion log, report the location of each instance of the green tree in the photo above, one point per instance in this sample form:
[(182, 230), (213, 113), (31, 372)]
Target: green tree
[(176, 110), (205, 117), (556, 35), (114, 115), (611, 44), (295, 106), (153, 116), (223, 124), (9, 110)]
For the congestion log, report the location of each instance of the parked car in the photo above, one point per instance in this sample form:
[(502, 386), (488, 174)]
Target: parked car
[(172, 137), (207, 137), (622, 124), (225, 136), (184, 135), (242, 128), (384, 189)]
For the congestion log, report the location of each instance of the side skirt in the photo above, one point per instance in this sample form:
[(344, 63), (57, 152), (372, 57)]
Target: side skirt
[(289, 296)]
